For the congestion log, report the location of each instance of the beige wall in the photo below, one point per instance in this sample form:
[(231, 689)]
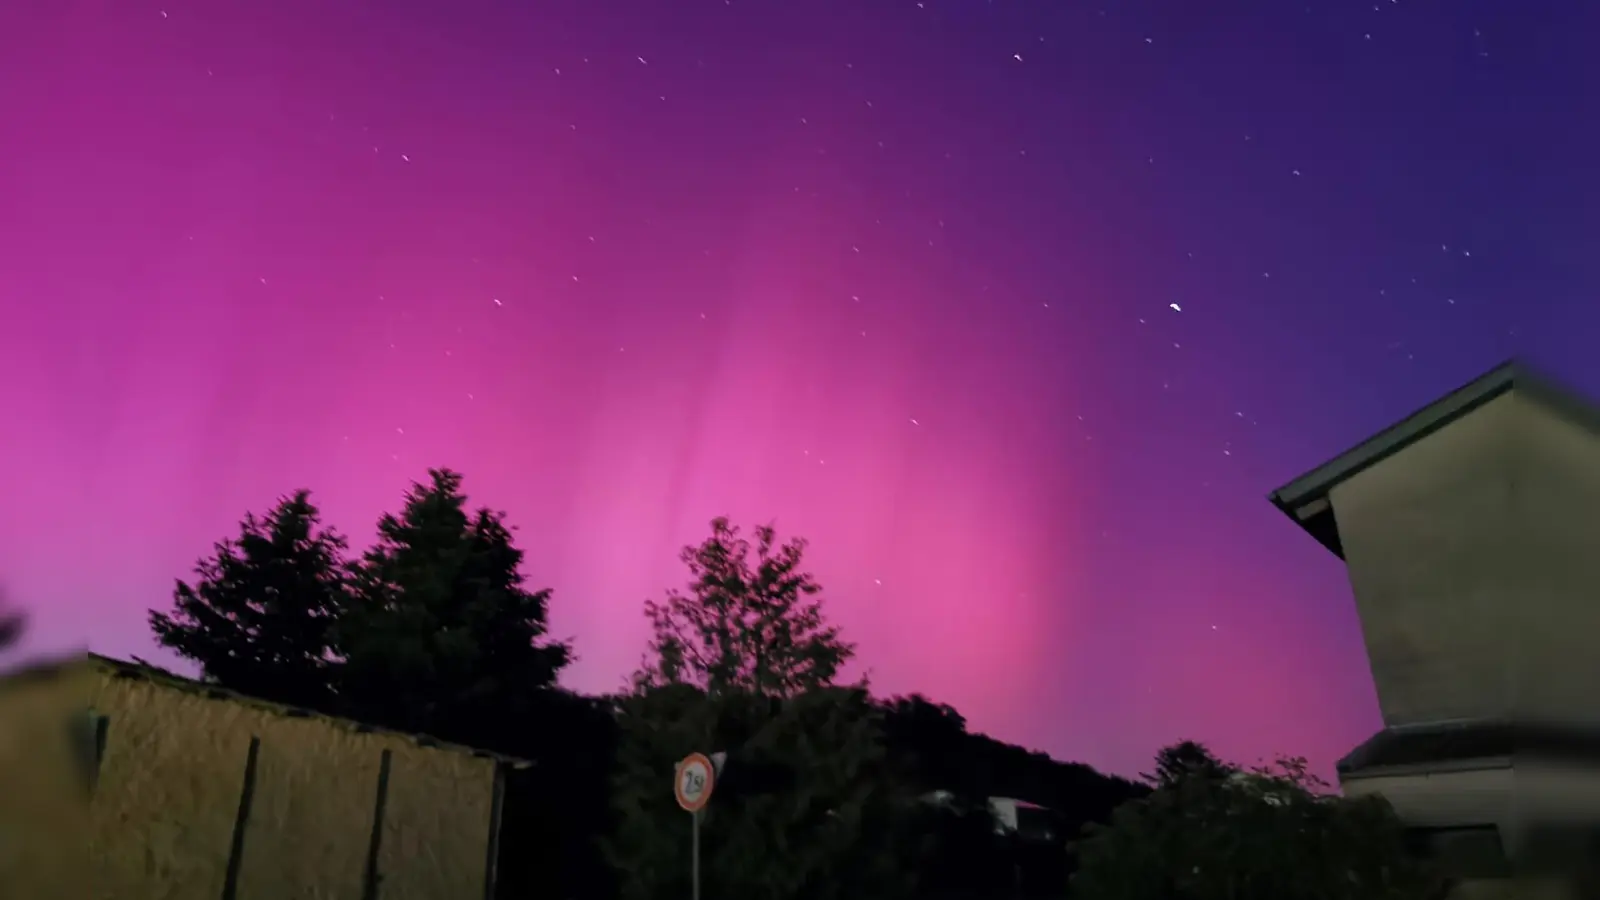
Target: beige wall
[(1530, 794), (1443, 799), (161, 821), (1557, 792), (1474, 555), (1557, 656)]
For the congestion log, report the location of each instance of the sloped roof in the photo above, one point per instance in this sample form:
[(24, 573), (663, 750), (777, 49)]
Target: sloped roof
[(1305, 499), (143, 671)]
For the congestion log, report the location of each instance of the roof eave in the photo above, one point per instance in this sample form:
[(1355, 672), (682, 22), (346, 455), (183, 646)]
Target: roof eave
[(1305, 499)]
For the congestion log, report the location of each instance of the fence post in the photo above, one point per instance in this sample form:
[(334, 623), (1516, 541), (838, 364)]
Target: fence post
[(369, 883), (230, 881), (497, 801)]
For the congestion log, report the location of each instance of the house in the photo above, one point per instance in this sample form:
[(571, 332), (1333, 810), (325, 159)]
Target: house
[(1470, 533), (123, 780)]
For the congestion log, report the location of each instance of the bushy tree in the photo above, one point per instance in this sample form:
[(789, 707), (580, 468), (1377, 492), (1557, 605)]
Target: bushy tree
[(808, 805), (745, 662), (1265, 834), (1185, 760), (442, 635), (968, 858), (745, 624), (932, 741), (260, 616)]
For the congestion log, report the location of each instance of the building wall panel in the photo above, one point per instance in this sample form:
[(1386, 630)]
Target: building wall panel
[(1556, 646), (1474, 556), (1443, 799)]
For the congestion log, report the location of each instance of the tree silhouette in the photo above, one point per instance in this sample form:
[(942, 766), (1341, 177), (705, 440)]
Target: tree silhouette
[(432, 630), (260, 617), (435, 630), (828, 817), (932, 742), (745, 662), (1187, 759), (966, 769), (967, 855), (1267, 834), (751, 625), (441, 634)]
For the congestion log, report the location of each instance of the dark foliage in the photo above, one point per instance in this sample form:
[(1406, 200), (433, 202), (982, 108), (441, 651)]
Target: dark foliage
[(441, 635), (745, 662), (259, 619), (1267, 834), (969, 860), (1187, 760), (433, 630), (831, 820), (826, 793), (750, 621)]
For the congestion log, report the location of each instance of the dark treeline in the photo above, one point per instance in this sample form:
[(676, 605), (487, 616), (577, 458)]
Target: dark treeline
[(828, 792)]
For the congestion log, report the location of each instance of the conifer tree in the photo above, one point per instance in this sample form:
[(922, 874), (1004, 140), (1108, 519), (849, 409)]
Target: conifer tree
[(260, 616), (443, 635)]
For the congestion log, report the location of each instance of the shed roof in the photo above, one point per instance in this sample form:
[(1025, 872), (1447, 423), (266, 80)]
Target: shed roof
[(1305, 499), (140, 670)]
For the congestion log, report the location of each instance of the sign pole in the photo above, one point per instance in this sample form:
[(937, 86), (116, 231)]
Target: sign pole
[(692, 783), (694, 870)]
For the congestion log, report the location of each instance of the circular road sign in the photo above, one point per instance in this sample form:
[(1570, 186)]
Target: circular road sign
[(693, 781)]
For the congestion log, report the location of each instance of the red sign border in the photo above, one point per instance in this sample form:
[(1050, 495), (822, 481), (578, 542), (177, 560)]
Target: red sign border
[(677, 781)]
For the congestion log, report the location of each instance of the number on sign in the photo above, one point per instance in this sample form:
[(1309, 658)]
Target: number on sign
[(694, 781)]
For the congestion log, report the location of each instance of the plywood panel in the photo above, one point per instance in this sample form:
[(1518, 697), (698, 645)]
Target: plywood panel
[(162, 816), (307, 838), (160, 824), (436, 827)]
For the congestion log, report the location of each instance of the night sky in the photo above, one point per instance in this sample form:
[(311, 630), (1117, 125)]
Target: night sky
[(1016, 310)]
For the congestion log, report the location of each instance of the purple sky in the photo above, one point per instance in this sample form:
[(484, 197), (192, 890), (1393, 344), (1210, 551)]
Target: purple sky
[(1015, 309)]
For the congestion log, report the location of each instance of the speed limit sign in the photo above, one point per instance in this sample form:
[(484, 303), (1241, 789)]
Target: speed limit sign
[(693, 781)]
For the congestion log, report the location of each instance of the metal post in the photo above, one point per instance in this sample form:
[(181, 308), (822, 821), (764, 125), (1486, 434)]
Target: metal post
[(694, 858)]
